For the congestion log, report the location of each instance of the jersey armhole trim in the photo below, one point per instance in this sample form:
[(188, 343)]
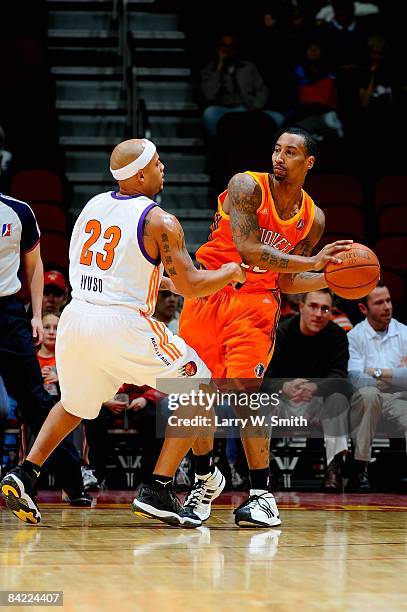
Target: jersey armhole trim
[(32, 248), (311, 217), (140, 224), (258, 181)]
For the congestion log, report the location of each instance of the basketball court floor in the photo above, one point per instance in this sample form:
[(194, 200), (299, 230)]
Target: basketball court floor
[(344, 552)]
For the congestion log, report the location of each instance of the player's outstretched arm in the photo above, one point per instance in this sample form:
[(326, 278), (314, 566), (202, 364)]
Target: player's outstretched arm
[(304, 282), (188, 281), (244, 195)]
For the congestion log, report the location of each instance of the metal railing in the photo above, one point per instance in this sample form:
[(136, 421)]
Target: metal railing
[(136, 121)]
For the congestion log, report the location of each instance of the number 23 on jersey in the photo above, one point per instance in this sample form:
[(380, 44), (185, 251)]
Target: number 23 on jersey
[(104, 259)]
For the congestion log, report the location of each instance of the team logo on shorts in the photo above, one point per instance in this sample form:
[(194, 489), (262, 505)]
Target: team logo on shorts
[(259, 370), (189, 369)]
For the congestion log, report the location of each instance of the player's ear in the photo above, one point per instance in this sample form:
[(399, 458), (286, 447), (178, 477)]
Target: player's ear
[(310, 162), (141, 176)]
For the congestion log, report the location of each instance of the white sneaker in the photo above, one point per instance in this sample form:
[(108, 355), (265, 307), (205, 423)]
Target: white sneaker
[(203, 493), (258, 511), (90, 482)]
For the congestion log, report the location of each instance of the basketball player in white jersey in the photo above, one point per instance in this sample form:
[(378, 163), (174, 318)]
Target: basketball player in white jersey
[(120, 245)]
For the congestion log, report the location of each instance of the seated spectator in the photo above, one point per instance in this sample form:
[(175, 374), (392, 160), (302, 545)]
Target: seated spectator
[(167, 309), (378, 368), (46, 353), (362, 9), (317, 96), (308, 347), (56, 291), (230, 84), (345, 45), (378, 110)]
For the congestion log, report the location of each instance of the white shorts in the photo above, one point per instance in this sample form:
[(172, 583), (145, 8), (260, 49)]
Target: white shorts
[(99, 348)]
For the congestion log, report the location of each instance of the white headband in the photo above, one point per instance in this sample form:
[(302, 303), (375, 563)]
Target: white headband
[(133, 167)]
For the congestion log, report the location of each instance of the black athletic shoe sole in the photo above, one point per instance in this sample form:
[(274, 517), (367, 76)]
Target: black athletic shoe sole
[(144, 510), (18, 501)]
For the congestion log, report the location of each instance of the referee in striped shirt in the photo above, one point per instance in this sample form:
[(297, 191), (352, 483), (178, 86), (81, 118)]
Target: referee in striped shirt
[(19, 367)]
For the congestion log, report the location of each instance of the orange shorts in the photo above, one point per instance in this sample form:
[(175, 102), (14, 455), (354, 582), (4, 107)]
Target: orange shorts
[(232, 332)]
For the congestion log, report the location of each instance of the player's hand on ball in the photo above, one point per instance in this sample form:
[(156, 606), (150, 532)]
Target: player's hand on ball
[(327, 254)]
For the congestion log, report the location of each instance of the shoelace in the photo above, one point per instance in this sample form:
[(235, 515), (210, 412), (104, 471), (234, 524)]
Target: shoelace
[(251, 502), (197, 494)]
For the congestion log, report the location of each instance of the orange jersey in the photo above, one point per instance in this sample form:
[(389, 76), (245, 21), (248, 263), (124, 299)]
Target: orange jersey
[(281, 234)]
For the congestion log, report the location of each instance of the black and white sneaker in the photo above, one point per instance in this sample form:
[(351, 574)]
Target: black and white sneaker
[(204, 491), (77, 499), (162, 503), (258, 511), (19, 489)]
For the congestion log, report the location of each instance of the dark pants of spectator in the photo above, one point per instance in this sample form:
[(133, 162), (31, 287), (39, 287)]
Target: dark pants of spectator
[(143, 420), (22, 377)]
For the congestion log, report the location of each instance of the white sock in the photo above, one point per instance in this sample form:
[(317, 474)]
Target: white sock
[(204, 476), (257, 492)]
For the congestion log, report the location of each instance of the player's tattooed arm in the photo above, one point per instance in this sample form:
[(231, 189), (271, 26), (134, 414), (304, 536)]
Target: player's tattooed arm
[(244, 195), (303, 282), (188, 281)]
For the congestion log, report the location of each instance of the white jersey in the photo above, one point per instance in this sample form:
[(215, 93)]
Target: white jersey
[(109, 265)]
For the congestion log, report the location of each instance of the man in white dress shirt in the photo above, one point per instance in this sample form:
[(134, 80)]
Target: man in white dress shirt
[(378, 369)]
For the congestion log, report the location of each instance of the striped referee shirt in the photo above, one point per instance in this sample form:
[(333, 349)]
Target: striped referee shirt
[(19, 234)]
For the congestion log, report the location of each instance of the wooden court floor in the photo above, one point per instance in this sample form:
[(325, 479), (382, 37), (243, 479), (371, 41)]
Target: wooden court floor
[(344, 552)]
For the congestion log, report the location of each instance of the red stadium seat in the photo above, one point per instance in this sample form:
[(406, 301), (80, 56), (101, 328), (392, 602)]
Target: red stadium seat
[(393, 220), (54, 249), (390, 190), (391, 251), (37, 186), (346, 220), (395, 284), (334, 189), (50, 217)]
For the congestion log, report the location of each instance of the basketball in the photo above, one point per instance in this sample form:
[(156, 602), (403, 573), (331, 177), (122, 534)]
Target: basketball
[(356, 276)]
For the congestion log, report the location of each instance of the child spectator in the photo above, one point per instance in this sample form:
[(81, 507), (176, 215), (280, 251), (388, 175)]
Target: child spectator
[(46, 354)]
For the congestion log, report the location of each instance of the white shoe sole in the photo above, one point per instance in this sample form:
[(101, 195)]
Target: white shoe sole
[(171, 518), (254, 523)]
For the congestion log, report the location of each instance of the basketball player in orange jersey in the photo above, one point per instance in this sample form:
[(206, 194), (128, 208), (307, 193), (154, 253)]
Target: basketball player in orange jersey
[(120, 245), (270, 225)]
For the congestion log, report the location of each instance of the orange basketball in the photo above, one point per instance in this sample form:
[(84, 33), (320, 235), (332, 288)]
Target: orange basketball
[(356, 276)]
